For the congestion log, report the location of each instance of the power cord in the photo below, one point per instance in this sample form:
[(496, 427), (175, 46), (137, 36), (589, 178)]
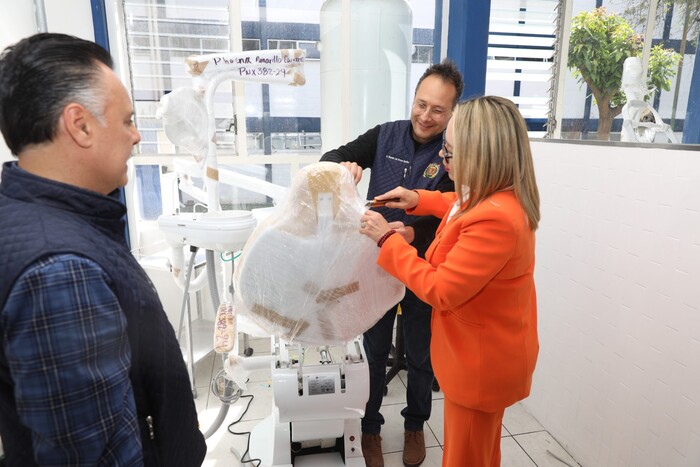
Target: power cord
[(242, 458)]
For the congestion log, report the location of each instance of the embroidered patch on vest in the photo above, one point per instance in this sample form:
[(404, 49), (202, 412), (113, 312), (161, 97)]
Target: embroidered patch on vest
[(431, 171)]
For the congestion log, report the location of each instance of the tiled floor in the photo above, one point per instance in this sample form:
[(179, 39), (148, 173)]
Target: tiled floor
[(525, 442)]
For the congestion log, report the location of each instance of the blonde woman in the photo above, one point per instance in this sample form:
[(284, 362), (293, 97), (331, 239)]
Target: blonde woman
[(477, 274)]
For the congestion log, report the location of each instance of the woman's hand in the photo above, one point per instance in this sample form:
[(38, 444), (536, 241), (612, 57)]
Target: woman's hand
[(354, 169), (373, 225), (401, 198)]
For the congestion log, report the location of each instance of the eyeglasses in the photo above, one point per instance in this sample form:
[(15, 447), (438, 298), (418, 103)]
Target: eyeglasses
[(446, 155)]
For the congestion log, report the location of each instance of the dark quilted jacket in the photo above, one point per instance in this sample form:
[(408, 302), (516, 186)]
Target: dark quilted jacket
[(399, 163), (38, 218)]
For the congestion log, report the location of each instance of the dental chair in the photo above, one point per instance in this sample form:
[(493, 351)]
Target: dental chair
[(310, 279)]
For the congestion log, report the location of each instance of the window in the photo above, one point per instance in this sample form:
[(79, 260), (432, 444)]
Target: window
[(310, 47), (160, 37), (281, 44), (520, 57), (266, 131), (251, 44), (281, 124), (422, 54), (598, 111)]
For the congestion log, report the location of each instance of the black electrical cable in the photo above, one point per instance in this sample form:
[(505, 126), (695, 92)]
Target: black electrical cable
[(247, 448)]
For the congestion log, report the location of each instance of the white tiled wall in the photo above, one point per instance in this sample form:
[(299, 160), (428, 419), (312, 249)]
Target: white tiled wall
[(618, 282)]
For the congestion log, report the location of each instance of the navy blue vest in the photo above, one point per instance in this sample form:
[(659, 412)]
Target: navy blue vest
[(397, 163), (38, 218)]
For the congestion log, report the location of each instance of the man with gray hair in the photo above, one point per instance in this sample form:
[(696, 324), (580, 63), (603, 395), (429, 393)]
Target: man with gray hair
[(90, 370)]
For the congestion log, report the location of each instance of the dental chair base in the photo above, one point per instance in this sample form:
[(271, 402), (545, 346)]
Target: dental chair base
[(315, 419)]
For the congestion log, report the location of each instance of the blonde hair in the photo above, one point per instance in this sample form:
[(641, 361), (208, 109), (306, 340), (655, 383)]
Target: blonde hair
[(492, 153)]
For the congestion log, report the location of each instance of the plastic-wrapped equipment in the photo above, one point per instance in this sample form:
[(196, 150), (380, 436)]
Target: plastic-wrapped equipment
[(185, 120), (306, 273)]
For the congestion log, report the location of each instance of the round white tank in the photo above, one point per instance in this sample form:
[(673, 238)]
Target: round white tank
[(381, 43)]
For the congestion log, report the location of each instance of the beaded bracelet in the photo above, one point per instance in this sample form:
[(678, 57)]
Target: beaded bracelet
[(383, 238)]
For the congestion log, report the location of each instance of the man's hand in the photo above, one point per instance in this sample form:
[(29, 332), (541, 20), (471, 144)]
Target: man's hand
[(406, 231), (354, 169)]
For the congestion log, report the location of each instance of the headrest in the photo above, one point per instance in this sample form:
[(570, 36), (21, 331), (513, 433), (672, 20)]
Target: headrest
[(306, 273)]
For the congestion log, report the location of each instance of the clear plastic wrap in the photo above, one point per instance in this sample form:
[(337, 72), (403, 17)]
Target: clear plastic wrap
[(185, 120), (306, 273)]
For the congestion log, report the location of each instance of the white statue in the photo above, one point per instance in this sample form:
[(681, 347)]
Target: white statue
[(640, 121)]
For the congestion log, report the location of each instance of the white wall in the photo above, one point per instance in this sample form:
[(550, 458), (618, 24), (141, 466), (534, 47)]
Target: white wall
[(18, 21), (618, 268)]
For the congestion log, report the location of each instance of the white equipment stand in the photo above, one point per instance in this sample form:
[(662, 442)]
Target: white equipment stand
[(190, 122), (215, 231), (315, 419), (319, 398)]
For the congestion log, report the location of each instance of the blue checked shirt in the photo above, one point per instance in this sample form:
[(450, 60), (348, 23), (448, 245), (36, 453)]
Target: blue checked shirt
[(65, 340)]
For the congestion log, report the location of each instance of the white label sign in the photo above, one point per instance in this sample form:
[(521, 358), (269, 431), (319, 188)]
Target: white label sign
[(265, 66)]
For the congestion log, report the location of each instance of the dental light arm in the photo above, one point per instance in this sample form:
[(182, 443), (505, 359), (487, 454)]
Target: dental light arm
[(229, 177), (185, 110), (189, 122), (285, 66)]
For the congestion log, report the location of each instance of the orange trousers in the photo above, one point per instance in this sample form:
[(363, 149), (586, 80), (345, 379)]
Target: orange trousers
[(472, 437)]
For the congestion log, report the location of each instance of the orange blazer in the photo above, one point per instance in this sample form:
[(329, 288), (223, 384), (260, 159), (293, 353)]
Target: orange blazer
[(478, 277)]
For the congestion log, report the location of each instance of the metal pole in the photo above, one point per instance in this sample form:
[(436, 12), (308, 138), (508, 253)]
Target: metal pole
[(239, 100), (442, 28), (345, 41), (649, 36), (562, 71), (40, 14)]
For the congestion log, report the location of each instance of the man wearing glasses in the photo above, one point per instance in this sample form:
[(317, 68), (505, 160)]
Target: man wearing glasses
[(405, 153)]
